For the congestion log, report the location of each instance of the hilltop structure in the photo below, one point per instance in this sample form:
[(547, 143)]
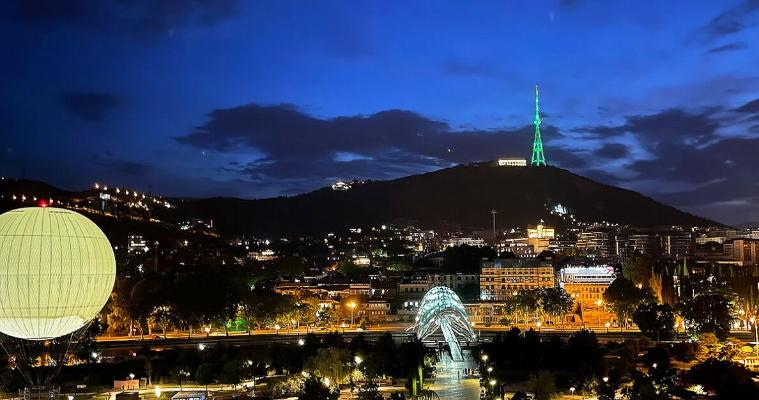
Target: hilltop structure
[(538, 158)]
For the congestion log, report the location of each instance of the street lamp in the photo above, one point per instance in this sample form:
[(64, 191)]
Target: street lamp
[(352, 306), (131, 375), (207, 330), (485, 358), (358, 360), (158, 392), (538, 324), (277, 328), (607, 325), (606, 379), (572, 390), (490, 369)]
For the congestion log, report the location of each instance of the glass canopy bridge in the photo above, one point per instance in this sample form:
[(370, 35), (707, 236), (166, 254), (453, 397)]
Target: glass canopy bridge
[(441, 311)]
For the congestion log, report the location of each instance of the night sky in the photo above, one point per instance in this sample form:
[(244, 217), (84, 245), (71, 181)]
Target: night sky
[(257, 99)]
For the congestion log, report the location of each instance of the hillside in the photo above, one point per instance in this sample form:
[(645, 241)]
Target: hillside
[(460, 197)]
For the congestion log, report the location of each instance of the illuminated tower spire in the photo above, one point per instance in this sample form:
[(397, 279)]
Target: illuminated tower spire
[(537, 145)]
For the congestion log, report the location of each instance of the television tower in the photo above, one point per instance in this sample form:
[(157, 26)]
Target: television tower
[(538, 158)]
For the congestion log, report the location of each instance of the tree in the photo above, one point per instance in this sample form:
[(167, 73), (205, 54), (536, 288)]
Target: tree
[(162, 316), (411, 356), (524, 304), (555, 302), (585, 354), (369, 390), (644, 388), (729, 380), (330, 363), (638, 268), (655, 320), (708, 313), (231, 373), (624, 297), (315, 389), (204, 375), (465, 258), (543, 385), (710, 346), (326, 316)]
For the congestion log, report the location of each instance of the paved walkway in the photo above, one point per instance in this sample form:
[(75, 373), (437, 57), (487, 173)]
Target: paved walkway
[(450, 382)]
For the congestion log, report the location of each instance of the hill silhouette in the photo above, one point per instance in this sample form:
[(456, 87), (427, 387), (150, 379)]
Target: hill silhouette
[(458, 198)]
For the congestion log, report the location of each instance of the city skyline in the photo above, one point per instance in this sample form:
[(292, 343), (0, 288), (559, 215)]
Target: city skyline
[(261, 99)]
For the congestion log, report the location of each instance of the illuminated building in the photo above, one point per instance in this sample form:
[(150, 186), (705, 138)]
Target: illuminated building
[(452, 242), (601, 243), (341, 185), (136, 244), (501, 278), (455, 282), (674, 244), (745, 251), (586, 285), (377, 310), (539, 237), (719, 236), (512, 162)]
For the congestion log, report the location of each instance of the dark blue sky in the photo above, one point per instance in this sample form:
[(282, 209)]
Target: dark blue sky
[(255, 99)]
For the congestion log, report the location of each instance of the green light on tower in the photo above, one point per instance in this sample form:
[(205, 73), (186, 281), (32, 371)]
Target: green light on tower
[(538, 158)]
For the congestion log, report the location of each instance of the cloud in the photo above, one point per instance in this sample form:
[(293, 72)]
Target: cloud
[(673, 127), (123, 167), (305, 152), (728, 47), (91, 106), (612, 150), (750, 107), (467, 69), (145, 19), (688, 163), (728, 22)]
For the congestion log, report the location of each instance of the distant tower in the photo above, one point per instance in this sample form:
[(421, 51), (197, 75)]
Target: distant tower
[(537, 145)]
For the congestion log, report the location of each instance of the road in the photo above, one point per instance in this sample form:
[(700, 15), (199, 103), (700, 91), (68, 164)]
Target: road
[(291, 336)]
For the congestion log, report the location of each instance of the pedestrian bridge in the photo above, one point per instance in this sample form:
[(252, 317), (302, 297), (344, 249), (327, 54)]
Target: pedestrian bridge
[(441, 312)]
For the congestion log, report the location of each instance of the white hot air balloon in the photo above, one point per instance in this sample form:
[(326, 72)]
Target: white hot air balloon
[(57, 270)]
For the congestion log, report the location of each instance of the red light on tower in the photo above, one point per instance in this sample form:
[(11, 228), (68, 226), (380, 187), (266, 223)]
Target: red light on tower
[(42, 203)]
